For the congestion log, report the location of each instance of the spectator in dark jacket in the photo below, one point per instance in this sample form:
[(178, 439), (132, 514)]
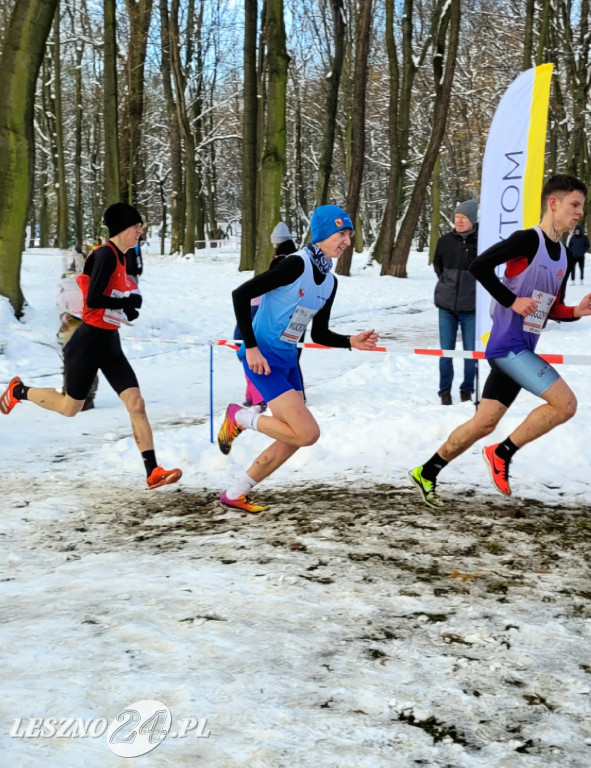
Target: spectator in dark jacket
[(455, 296), (578, 242)]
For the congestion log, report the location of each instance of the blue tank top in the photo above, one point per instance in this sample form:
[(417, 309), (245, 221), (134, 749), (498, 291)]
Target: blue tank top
[(540, 280), (285, 312)]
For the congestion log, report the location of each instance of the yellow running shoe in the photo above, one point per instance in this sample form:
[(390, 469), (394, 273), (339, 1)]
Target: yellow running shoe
[(242, 502), (426, 488), (230, 429)]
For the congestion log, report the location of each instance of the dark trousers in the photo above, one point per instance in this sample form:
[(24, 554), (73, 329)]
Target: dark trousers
[(448, 331)]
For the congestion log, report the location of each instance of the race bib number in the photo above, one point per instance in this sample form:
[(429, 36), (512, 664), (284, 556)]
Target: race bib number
[(298, 324), (535, 322), (116, 316)]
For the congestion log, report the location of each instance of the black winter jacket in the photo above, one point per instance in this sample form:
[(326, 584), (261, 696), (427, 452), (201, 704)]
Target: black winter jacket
[(579, 245), (456, 287)]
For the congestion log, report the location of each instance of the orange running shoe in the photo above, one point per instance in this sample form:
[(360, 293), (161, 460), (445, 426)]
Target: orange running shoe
[(230, 429), (161, 476), (242, 502), (8, 400), (498, 468)]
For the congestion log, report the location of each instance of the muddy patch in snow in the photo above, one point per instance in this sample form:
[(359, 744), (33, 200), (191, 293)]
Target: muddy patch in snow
[(490, 596)]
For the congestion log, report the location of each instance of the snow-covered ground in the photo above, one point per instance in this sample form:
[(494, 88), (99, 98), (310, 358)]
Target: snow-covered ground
[(347, 625)]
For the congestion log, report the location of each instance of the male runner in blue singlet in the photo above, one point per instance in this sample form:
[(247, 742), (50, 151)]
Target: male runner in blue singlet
[(299, 290), (530, 292)]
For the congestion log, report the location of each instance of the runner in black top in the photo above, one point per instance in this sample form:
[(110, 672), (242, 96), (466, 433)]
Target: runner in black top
[(285, 273), (110, 297), (530, 292), (298, 290)]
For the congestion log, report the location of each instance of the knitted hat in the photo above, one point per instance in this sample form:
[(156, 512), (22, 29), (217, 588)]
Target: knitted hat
[(120, 216), (327, 220), (469, 209), (280, 234)]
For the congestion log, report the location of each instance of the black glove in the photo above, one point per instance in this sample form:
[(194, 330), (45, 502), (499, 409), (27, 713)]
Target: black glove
[(132, 314), (133, 300)]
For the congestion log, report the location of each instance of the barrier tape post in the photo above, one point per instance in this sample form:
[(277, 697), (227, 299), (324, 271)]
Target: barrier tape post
[(211, 393)]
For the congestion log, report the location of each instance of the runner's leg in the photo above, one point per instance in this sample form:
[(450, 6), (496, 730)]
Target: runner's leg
[(560, 406), (276, 454), (291, 422), (52, 400), (136, 407), (484, 421)]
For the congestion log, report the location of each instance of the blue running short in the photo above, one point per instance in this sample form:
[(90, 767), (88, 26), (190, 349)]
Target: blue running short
[(518, 370), (277, 382)]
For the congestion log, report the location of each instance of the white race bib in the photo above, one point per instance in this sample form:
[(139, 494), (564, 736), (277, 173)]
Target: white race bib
[(535, 322), (297, 324), (117, 316)]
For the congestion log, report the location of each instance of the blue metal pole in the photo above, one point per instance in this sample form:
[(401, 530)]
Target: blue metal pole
[(211, 393)]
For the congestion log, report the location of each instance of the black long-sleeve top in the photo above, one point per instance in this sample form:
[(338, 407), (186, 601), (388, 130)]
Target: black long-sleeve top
[(99, 266), (518, 252), (285, 273)]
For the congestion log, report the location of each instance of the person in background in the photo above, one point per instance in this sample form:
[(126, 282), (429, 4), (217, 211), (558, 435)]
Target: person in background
[(455, 296), (71, 304), (578, 242)]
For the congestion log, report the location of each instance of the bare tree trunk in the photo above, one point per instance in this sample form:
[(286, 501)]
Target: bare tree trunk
[(249, 138), (94, 125), (43, 203), (31, 222), (22, 53), (78, 219), (332, 100), (577, 57), (542, 51), (301, 202), (387, 231), (186, 132), (443, 79), (62, 189), (176, 162), (110, 106), (50, 152), (358, 144), (402, 78), (435, 208), (197, 122), (528, 38), (132, 170), (273, 159)]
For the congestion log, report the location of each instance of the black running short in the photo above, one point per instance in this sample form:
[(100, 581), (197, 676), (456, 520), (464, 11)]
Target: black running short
[(95, 349), (500, 387)]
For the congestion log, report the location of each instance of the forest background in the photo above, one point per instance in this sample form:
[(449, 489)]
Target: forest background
[(219, 118)]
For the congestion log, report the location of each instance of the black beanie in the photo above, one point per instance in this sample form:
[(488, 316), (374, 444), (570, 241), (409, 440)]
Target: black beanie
[(120, 216)]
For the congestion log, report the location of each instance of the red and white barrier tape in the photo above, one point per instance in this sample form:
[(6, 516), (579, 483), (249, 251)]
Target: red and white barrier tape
[(554, 359), (477, 355), (234, 344)]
